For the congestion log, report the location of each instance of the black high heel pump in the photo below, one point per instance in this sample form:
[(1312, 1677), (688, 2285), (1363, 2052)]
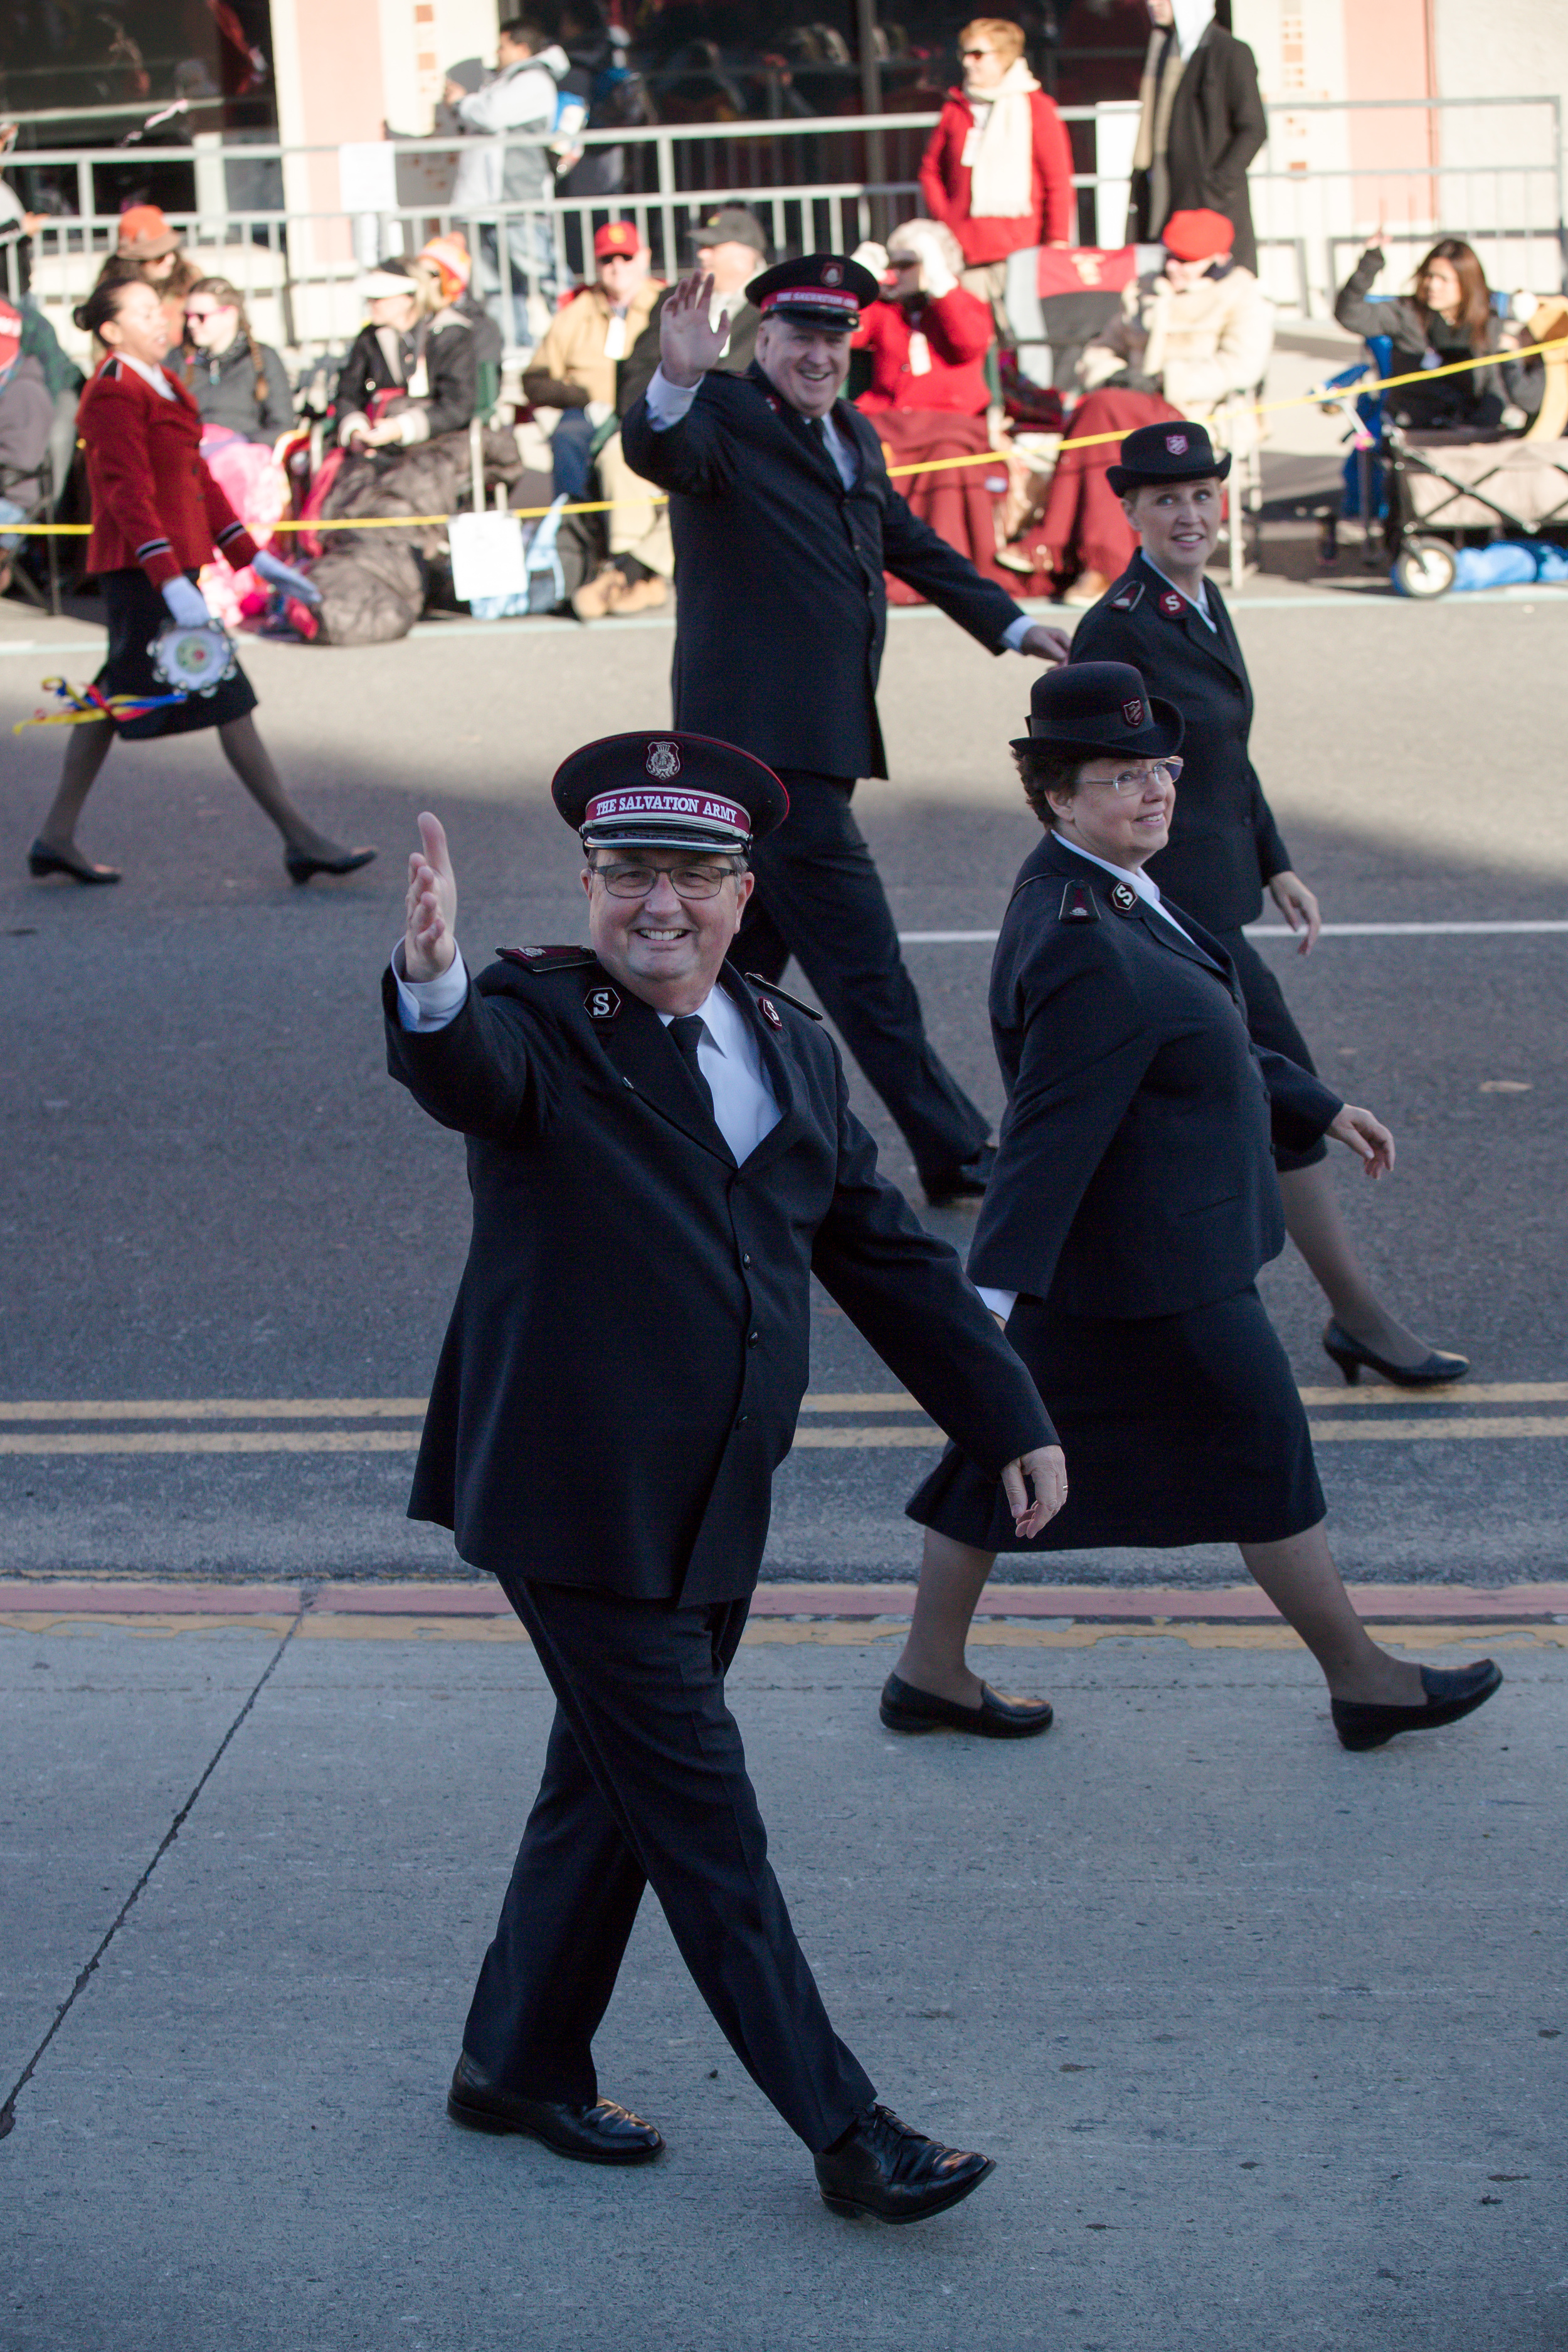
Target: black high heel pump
[(1351, 1357)]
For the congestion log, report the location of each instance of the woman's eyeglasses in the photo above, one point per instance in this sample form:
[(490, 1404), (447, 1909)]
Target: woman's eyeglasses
[(1159, 772)]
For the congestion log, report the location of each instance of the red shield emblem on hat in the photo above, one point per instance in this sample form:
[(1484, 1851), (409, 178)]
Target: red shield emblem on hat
[(1176, 443), (664, 760), (1133, 713), (833, 275)]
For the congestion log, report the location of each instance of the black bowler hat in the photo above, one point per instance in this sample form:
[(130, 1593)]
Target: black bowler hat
[(668, 791), (1172, 452), (820, 290), (1101, 711), (729, 224)]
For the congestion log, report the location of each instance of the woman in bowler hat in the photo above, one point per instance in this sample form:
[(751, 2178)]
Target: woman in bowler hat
[(1133, 1202), (1164, 616)]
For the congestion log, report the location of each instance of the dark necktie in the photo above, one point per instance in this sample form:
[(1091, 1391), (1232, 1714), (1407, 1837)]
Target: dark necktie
[(686, 1031)]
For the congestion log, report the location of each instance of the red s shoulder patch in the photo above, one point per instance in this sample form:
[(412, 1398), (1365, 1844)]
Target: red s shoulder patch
[(1172, 606)]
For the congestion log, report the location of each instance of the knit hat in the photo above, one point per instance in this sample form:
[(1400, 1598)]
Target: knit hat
[(144, 234), (453, 261), (1197, 236)]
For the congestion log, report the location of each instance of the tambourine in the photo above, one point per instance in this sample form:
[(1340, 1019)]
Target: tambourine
[(192, 660)]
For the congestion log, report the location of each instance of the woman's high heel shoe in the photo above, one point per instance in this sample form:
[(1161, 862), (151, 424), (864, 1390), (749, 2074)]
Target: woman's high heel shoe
[(301, 865), (1434, 1372), (43, 860)]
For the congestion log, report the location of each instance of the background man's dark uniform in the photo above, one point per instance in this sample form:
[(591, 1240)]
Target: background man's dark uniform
[(782, 615), (620, 1378)]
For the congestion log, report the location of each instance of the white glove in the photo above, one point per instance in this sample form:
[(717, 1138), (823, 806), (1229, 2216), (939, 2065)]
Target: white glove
[(872, 257), (283, 575), (936, 275), (187, 602)]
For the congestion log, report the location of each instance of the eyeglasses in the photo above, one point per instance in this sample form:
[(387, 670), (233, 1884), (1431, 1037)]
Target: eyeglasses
[(194, 317), (1133, 780), (976, 53), (686, 881), (903, 262)]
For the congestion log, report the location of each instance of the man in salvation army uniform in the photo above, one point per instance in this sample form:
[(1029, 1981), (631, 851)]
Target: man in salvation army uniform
[(661, 1155)]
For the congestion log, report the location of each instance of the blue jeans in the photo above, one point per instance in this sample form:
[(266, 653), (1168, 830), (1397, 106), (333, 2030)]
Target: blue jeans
[(569, 446)]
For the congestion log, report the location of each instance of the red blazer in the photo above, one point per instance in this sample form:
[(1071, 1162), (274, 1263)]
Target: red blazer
[(945, 178), (153, 502), (957, 328)]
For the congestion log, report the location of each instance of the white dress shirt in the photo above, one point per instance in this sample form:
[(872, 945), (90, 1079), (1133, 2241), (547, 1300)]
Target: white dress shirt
[(668, 402), (744, 1104), (1001, 1302)]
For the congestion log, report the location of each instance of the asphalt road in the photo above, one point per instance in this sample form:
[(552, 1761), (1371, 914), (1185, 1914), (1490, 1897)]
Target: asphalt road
[(214, 1196)]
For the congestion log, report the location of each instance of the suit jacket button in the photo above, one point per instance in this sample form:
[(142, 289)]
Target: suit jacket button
[(752, 1339), (745, 1258), (743, 1420)]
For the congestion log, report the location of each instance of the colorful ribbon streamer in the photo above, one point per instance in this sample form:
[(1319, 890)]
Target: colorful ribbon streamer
[(86, 702)]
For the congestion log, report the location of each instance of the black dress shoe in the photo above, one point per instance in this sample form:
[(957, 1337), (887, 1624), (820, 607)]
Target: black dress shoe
[(905, 1708), (301, 865), (965, 1180), (1452, 1692), (43, 860), (882, 2168), (601, 2134), (1351, 1357)]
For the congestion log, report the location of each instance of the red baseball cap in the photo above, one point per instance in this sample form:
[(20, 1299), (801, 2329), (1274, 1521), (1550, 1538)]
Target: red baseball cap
[(1196, 235), (616, 236)]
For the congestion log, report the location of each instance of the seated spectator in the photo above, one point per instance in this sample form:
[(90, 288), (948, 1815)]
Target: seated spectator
[(574, 370), (997, 169), (447, 269), (1190, 335), (238, 384), (410, 374), (147, 248), (730, 245), (27, 420), (1447, 316), (928, 338)]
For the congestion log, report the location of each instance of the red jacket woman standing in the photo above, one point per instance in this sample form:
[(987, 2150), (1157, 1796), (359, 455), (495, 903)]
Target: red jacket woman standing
[(998, 168), (158, 516)]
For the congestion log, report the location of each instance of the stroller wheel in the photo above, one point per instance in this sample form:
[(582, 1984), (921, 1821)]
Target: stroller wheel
[(1424, 567)]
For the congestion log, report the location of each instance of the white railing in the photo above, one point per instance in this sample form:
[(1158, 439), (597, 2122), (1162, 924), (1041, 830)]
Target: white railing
[(294, 228)]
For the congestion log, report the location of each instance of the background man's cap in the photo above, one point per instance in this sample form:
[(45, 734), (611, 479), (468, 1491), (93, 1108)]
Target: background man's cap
[(1102, 710), (1197, 236), (616, 236), (820, 290), (1172, 452), (729, 224), (668, 791), (144, 235)]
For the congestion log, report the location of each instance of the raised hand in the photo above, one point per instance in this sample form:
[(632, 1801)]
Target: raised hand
[(687, 345), (430, 937)]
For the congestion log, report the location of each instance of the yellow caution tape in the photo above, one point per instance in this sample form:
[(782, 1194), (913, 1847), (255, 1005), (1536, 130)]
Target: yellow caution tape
[(1330, 396)]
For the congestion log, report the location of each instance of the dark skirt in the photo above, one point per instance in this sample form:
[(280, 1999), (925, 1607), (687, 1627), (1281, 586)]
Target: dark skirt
[(1270, 1024), (136, 611), (1179, 1429)]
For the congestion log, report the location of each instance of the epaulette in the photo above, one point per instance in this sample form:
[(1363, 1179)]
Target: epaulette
[(547, 959), (113, 369), (1078, 904), (783, 994), (1130, 596)]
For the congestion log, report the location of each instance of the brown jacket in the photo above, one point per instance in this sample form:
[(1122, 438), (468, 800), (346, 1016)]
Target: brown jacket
[(570, 368)]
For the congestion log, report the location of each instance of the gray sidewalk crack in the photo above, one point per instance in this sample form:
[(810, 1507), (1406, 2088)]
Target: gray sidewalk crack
[(8, 2111)]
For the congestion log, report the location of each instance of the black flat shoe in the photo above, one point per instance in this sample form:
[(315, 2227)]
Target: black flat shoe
[(42, 860), (905, 1708), (600, 2134), (1351, 1357), (965, 1180), (883, 2170), (301, 865), (1452, 1692)]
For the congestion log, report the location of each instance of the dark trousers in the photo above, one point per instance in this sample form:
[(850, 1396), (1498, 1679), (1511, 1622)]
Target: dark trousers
[(570, 444), (820, 898), (645, 1783)]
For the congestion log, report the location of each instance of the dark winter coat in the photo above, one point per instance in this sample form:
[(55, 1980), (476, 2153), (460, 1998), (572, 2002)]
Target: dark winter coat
[(1217, 125)]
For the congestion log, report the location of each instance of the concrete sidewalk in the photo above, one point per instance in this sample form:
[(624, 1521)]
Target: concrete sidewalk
[(1271, 2052)]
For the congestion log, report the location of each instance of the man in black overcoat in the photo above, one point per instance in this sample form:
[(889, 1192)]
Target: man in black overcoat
[(1202, 121), (784, 521), (661, 1155)]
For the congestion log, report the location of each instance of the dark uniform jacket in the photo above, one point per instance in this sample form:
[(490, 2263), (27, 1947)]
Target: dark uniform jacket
[(629, 1351), (1224, 843), (782, 606), (635, 372), (1134, 1175)]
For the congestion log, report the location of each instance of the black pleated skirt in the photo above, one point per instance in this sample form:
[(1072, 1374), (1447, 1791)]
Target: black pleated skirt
[(136, 611), (1180, 1428)]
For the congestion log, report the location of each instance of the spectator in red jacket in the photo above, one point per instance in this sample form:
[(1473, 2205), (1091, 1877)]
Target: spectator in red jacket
[(927, 340), (157, 517), (998, 168)]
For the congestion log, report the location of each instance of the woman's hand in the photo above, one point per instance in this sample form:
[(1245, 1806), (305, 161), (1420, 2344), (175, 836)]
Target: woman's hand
[(1047, 1470), (430, 937), (1046, 645), (1367, 1137), (687, 345), (1299, 907)]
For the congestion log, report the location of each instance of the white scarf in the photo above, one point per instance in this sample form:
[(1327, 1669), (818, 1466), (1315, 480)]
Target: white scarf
[(1193, 18), (1002, 186)]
